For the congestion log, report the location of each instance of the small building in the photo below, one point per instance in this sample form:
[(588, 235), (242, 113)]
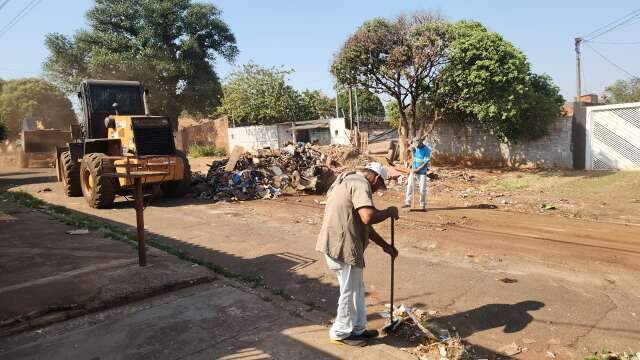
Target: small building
[(323, 132)]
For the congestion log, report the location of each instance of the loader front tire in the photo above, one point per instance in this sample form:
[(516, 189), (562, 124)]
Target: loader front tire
[(69, 171), (182, 186), (98, 186)]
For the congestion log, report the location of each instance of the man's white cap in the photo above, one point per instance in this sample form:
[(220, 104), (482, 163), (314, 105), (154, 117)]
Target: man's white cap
[(378, 169)]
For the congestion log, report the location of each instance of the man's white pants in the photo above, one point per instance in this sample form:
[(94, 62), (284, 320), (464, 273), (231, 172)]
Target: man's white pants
[(352, 313), (423, 189)]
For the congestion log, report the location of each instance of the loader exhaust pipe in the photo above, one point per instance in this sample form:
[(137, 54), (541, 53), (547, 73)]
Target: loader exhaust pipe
[(145, 100)]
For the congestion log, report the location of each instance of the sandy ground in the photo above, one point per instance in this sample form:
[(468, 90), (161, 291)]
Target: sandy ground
[(547, 283)]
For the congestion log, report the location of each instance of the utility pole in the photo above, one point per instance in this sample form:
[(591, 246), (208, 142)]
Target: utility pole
[(357, 112), (337, 112), (578, 41), (350, 110)]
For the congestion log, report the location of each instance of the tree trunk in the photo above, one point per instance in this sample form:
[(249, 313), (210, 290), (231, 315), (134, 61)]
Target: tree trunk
[(403, 131)]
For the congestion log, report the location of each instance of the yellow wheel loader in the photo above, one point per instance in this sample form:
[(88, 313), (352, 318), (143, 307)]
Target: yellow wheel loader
[(119, 137)]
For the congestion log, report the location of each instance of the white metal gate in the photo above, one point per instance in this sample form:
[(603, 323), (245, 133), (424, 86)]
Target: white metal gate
[(613, 137)]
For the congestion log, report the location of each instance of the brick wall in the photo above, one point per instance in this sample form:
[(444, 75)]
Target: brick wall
[(468, 145), (209, 132)]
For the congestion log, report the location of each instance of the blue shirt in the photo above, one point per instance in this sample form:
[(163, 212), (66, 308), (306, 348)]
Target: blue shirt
[(420, 156)]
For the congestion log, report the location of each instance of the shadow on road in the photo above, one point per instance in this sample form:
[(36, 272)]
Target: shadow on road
[(511, 317)]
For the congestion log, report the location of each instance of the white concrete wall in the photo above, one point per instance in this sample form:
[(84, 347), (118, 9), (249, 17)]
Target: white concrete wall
[(254, 137), (339, 132), (276, 136)]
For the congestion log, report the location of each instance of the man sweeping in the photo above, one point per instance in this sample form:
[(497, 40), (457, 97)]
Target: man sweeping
[(421, 155), (345, 233)]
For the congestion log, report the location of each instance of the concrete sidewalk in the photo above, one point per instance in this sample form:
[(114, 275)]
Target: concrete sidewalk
[(212, 321), (68, 296)]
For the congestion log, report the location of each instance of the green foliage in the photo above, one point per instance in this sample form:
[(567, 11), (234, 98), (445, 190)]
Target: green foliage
[(488, 80), (542, 104), (623, 91), (169, 45), (400, 57), (318, 105), (196, 151), (369, 104), (33, 98), (463, 71), (258, 95), (392, 114)]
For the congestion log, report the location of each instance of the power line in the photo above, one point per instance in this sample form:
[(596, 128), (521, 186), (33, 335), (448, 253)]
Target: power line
[(616, 42), (612, 25), (612, 63), (16, 19), (4, 4)]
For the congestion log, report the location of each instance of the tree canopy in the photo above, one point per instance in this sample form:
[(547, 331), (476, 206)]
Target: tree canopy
[(258, 95), (169, 45), (623, 91), (320, 106), (488, 80), (456, 71), (400, 57), (33, 98)]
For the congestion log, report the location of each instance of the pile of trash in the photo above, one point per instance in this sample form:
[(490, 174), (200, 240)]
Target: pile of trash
[(433, 341), (267, 174)]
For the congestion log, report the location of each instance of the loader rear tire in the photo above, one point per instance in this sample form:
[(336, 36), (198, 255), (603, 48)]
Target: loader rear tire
[(180, 187), (70, 174), (98, 187)]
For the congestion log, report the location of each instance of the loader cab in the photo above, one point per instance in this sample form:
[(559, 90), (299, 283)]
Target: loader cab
[(98, 97)]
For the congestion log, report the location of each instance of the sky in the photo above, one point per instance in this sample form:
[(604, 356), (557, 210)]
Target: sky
[(305, 35)]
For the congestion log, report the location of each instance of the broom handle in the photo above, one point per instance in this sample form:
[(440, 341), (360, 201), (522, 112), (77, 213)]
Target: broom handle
[(392, 270)]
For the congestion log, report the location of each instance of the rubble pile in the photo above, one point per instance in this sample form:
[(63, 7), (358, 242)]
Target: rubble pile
[(266, 174), (433, 341)]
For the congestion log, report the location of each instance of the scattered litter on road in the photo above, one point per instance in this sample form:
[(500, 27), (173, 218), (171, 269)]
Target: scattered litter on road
[(548, 207), (508, 280), (47, 189), (511, 349), (551, 355), (78, 232), (433, 341)]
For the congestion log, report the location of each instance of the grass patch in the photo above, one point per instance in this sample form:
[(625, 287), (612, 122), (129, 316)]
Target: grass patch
[(121, 233), (196, 151), (512, 184)]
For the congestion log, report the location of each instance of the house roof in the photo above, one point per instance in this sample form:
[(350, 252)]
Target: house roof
[(310, 126)]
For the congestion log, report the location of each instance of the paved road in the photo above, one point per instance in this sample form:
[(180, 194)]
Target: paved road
[(546, 283), (83, 296)]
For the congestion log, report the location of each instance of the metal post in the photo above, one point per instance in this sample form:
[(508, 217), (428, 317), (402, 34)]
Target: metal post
[(578, 77), (142, 251), (337, 112), (350, 111), (357, 112)]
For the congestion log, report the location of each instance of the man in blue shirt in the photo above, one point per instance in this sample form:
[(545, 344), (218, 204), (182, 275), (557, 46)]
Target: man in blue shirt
[(421, 154)]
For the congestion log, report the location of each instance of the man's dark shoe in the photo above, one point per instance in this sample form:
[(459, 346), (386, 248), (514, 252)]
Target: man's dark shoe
[(368, 334), (352, 340)]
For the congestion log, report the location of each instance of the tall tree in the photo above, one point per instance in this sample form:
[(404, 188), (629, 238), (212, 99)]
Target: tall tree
[(400, 58), (487, 80), (258, 95), (34, 98), (169, 45), (623, 91)]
